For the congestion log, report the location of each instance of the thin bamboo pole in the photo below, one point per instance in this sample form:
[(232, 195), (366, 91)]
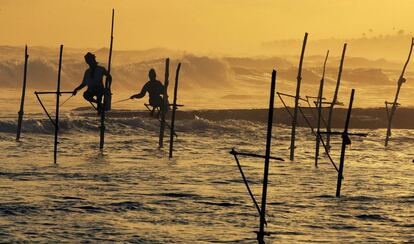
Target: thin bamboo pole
[(57, 106), (21, 111), (261, 233), (319, 101), (174, 109), (335, 97), (345, 141), (165, 105), (401, 80), (295, 112), (107, 89)]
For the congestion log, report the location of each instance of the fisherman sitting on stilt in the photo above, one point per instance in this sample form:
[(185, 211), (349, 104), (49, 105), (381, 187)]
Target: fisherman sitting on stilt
[(93, 79), (155, 90)]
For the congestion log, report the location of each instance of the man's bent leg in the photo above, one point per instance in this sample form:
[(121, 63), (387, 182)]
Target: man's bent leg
[(89, 96)]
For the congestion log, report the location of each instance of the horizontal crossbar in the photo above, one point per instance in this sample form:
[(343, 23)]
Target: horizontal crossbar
[(398, 104), (172, 105), (288, 95), (313, 97), (40, 93), (342, 133), (233, 152), (338, 103)]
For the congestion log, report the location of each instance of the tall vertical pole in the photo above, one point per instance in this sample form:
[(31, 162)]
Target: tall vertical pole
[(177, 73), (295, 113), (335, 97), (165, 105), (401, 80), (345, 141), (57, 106), (319, 101), (107, 90), (261, 233), (21, 111)]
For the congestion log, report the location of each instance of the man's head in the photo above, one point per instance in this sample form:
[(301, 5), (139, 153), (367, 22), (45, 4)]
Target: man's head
[(90, 59), (152, 75)]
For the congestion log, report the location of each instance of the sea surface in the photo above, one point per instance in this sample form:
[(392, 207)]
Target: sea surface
[(132, 193)]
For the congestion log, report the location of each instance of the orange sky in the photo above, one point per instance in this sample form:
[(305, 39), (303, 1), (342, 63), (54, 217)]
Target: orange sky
[(206, 26)]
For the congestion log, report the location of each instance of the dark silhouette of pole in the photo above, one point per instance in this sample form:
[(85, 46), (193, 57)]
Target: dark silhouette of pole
[(166, 122), (345, 141), (261, 233), (21, 111), (107, 89), (246, 183), (174, 109), (401, 80), (295, 112), (165, 105), (335, 97), (319, 102), (57, 106)]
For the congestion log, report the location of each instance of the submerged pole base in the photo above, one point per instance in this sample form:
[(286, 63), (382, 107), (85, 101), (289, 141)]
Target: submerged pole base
[(260, 236)]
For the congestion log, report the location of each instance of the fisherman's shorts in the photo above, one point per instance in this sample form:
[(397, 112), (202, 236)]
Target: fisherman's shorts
[(90, 94)]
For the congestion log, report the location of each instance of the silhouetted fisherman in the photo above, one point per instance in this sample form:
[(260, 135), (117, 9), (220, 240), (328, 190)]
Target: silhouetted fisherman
[(93, 79), (155, 90)]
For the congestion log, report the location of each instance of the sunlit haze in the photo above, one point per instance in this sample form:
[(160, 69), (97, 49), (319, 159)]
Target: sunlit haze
[(207, 26)]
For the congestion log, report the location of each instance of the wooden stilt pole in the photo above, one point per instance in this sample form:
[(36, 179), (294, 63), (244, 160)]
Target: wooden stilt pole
[(319, 102), (335, 97), (345, 141), (21, 111), (165, 104), (295, 112), (401, 80), (174, 109), (261, 233), (107, 89), (57, 106)]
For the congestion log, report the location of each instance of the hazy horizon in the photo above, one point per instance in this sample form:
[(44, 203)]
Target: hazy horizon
[(205, 27)]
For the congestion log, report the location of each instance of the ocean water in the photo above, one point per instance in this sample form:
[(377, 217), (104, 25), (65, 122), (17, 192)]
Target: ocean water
[(131, 192)]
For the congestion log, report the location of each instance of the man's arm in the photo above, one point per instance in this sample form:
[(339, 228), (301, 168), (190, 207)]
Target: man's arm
[(141, 94), (82, 85)]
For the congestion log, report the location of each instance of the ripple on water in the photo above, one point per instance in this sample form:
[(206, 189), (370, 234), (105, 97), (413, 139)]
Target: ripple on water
[(18, 208)]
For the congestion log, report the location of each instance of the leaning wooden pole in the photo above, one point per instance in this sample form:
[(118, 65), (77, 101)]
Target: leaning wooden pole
[(107, 89), (21, 111), (401, 80), (319, 102), (57, 106), (165, 105), (261, 233), (345, 141), (174, 109), (335, 97), (295, 112)]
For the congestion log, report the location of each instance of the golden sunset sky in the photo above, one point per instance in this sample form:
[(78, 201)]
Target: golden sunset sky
[(204, 26)]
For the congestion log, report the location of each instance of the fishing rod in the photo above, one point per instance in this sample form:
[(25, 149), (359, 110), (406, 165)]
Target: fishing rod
[(66, 100), (120, 101)]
